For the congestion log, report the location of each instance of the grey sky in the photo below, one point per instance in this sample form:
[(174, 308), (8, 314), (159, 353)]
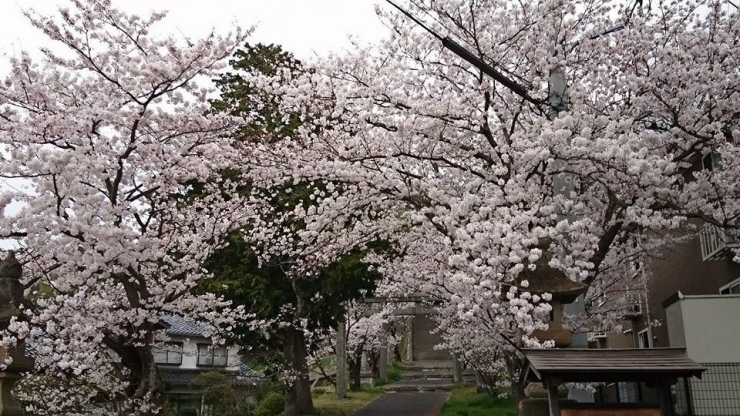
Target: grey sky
[(304, 27)]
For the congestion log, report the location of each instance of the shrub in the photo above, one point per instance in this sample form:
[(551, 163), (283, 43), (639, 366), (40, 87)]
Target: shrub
[(187, 412), (272, 404)]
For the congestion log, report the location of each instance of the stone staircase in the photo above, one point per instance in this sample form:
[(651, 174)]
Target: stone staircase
[(425, 376)]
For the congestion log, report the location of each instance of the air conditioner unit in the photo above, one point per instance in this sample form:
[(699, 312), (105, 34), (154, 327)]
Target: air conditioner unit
[(635, 309)]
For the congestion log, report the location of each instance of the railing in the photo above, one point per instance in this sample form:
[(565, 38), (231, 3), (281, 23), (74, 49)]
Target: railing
[(716, 243), (717, 393)]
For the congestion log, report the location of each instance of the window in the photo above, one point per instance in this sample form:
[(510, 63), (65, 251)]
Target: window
[(627, 392), (635, 260), (171, 353), (732, 288), (643, 339), (712, 161), (212, 356)]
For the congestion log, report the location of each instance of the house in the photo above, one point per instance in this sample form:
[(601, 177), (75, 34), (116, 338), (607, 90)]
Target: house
[(690, 299), (189, 353)]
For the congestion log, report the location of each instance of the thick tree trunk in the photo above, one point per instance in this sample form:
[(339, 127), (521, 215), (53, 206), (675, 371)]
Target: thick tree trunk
[(298, 398), (144, 384), (355, 371)]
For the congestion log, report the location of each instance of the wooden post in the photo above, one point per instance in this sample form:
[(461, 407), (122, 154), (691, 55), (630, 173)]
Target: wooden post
[(664, 397), (341, 360), (689, 399), (552, 397)]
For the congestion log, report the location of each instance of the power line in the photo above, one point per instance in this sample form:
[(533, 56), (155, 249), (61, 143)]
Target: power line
[(461, 37), (473, 59)]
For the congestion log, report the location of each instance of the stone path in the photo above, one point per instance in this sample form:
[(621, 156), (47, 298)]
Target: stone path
[(405, 404)]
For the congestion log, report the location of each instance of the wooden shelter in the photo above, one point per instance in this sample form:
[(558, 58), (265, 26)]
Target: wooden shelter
[(657, 368)]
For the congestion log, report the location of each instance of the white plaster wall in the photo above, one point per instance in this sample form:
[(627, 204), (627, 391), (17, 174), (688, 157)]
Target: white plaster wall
[(190, 352)]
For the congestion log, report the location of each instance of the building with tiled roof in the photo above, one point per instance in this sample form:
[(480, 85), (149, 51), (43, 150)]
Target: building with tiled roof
[(189, 353)]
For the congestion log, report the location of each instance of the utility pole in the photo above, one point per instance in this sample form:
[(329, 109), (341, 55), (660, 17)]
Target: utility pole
[(563, 183)]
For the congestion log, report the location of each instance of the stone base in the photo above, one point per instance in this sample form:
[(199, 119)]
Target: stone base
[(534, 407), (8, 405), (20, 363), (538, 406), (562, 337)]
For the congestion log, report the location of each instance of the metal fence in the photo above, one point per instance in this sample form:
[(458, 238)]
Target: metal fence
[(716, 394)]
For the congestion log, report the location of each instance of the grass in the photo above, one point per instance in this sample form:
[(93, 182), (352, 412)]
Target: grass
[(466, 401), (394, 374), (394, 371), (326, 402)]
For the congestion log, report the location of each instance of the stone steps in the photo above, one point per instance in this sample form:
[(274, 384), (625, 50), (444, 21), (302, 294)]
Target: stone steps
[(428, 376), (420, 386)]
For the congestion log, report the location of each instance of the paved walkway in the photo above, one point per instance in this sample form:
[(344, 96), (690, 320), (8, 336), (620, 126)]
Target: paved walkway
[(405, 404)]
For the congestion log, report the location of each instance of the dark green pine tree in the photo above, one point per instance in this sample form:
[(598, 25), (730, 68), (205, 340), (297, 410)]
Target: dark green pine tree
[(270, 290)]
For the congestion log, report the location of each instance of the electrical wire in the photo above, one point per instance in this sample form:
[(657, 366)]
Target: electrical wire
[(473, 59), (462, 39)]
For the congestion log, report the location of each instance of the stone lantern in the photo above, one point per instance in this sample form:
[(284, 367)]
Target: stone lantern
[(545, 279), (11, 297)]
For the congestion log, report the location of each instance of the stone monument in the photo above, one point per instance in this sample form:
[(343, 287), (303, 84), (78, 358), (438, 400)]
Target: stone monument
[(545, 279), (11, 297)]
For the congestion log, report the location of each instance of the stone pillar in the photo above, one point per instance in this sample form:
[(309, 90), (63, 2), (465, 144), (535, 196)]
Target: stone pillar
[(383, 360), (341, 360), (410, 339), (363, 363), (11, 297), (457, 376)]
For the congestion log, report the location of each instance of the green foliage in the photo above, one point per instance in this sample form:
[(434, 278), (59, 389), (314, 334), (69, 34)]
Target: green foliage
[(394, 374), (467, 402), (273, 404), (394, 371), (327, 404), (240, 98), (218, 393), (187, 412)]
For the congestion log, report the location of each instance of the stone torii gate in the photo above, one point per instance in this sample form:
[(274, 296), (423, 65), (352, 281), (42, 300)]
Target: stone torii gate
[(11, 297)]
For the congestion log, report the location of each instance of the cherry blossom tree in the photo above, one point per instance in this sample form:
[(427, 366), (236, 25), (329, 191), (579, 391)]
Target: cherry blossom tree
[(467, 174), (111, 130)]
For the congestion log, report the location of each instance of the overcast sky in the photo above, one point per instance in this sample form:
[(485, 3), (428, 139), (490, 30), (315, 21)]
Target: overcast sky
[(304, 27)]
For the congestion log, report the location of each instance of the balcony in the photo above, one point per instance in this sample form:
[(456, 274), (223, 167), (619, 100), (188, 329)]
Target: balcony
[(634, 310), (717, 243)]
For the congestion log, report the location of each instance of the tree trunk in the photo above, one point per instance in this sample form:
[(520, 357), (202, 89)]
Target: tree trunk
[(144, 384), (298, 394), (355, 370)]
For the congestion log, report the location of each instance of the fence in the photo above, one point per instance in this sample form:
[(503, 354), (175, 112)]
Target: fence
[(716, 394)]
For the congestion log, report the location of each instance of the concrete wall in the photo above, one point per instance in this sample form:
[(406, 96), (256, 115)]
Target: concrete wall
[(708, 326), (423, 340)]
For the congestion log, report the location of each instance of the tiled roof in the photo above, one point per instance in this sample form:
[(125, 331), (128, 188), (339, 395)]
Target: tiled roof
[(243, 377), (570, 364), (178, 325)]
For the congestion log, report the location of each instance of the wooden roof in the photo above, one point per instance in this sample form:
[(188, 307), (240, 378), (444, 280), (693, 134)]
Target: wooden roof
[(636, 364)]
